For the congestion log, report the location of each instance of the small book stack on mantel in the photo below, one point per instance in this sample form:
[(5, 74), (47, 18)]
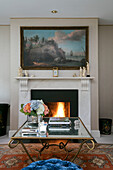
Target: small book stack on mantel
[(59, 123)]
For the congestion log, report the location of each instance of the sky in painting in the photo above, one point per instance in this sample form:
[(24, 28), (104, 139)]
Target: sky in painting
[(67, 39)]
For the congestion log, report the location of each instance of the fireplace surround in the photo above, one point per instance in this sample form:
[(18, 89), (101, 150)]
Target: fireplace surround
[(80, 84)]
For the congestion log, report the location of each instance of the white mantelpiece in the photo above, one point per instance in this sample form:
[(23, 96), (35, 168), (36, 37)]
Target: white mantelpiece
[(82, 84), (54, 78)]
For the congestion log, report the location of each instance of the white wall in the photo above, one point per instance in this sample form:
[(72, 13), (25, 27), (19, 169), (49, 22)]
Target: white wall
[(106, 71), (4, 64), (15, 60)]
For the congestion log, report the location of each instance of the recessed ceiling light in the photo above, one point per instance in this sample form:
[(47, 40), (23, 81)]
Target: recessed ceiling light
[(54, 11)]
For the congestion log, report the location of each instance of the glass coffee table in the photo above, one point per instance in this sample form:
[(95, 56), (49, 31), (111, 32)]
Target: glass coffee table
[(76, 131)]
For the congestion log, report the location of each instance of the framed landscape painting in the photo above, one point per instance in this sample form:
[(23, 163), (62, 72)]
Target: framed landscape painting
[(48, 47)]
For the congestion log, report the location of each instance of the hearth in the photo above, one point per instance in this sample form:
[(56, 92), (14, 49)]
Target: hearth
[(61, 103)]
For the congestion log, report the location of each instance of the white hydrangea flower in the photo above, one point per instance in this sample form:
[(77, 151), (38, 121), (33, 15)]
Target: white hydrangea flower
[(40, 109), (40, 101)]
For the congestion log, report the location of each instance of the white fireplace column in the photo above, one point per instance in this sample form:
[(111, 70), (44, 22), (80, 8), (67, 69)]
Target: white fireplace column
[(82, 84), (85, 103)]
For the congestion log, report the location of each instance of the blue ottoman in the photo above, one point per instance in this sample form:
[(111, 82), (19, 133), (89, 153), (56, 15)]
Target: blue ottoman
[(52, 164)]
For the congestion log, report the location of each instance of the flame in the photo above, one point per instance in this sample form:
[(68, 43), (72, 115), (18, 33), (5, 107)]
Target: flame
[(60, 110)]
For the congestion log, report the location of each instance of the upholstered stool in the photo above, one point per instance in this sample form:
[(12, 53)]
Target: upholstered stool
[(52, 164)]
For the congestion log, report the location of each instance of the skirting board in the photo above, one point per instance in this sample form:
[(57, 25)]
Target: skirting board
[(95, 133), (11, 132)]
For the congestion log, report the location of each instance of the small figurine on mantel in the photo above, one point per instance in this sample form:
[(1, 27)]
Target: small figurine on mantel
[(74, 75), (20, 72), (81, 71), (84, 72), (26, 73), (32, 75), (87, 66)]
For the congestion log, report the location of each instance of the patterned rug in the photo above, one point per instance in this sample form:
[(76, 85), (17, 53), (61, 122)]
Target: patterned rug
[(99, 158)]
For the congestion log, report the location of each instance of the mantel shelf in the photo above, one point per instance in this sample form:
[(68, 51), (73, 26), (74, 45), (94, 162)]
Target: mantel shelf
[(54, 78)]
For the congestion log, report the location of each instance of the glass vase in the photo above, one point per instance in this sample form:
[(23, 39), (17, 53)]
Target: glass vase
[(34, 119), (40, 118)]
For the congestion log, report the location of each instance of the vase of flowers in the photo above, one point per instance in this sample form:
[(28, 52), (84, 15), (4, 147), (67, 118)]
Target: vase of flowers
[(36, 109)]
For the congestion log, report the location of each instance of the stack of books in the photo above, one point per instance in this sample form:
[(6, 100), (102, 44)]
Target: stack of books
[(59, 123), (29, 132)]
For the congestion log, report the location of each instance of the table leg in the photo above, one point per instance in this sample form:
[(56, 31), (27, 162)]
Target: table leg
[(61, 145), (27, 151), (91, 148), (84, 142), (14, 145)]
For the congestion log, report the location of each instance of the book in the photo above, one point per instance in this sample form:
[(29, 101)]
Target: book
[(59, 125), (28, 134), (28, 129), (63, 133), (33, 135), (58, 129), (63, 136), (59, 120)]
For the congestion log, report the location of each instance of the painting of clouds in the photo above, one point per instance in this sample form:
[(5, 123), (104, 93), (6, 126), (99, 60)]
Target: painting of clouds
[(48, 47)]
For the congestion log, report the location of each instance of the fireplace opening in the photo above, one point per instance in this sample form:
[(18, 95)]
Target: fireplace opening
[(61, 103), (59, 109)]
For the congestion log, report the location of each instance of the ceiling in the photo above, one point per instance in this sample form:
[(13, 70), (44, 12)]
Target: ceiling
[(102, 9)]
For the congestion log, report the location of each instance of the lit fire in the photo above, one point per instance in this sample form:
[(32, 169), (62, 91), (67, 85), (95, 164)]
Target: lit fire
[(60, 110)]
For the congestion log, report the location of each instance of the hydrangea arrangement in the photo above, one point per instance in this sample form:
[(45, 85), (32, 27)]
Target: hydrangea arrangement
[(34, 108)]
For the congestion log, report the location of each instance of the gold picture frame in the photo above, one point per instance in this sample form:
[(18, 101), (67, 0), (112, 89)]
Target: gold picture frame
[(65, 47)]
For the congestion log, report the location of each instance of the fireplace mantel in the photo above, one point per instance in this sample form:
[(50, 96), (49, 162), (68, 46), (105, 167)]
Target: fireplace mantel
[(24, 81), (82, 84), (54, 78)]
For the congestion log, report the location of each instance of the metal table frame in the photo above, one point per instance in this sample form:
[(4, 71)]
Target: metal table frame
[(46, 145)]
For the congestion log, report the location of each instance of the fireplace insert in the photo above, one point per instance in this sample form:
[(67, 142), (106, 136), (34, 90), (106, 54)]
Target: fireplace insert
[(61, 103)]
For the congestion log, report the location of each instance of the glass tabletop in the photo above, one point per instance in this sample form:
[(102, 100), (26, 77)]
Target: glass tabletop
[(74, 130)]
